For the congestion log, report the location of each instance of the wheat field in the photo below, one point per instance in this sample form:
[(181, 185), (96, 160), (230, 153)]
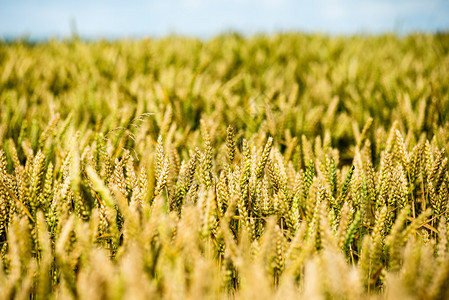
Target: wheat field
[(287, 166)]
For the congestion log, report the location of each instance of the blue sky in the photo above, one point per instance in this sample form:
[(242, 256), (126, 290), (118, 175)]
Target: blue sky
[(41, 19)]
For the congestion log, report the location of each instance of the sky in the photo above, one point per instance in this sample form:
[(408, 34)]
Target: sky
[(44, 19)]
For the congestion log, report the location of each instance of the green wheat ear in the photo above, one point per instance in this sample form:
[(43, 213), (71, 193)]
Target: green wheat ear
[(230, 145), (263, 158), (185, 180)]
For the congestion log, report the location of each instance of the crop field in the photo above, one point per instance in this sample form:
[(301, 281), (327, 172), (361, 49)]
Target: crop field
[(286, 166)]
